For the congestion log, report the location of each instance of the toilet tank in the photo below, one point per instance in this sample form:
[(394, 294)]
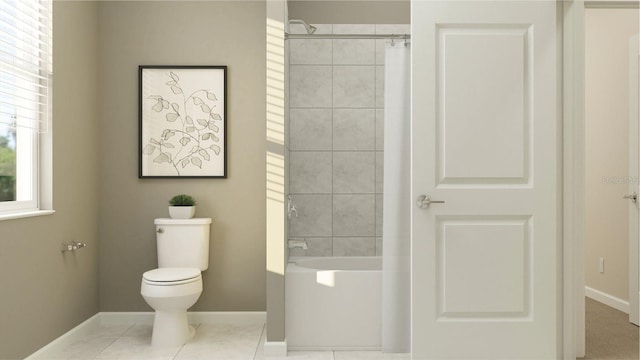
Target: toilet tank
[(183, 242)]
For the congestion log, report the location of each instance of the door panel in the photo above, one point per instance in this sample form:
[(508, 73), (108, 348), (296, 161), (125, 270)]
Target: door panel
[(497, 249), (485, 141), (483, 74)]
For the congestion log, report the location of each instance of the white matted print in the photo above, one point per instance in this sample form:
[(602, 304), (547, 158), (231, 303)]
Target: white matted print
[(182, 121)]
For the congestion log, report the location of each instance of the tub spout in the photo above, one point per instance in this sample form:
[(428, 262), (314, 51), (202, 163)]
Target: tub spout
[(298, 243)]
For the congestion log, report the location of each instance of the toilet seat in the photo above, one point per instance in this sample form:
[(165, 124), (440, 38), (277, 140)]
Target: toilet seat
[(171, 276)]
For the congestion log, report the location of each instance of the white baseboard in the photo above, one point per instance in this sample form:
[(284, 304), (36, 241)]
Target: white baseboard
[(196, 317), (275, 348), (607, 299), (146, 318), (336, 348), (228, 317), (67, 338), (125, 318)]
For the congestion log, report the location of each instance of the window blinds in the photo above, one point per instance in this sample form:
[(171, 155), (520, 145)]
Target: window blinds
[(25, 63)]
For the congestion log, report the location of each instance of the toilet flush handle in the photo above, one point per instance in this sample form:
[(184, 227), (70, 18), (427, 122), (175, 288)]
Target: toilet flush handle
[(160, 230)]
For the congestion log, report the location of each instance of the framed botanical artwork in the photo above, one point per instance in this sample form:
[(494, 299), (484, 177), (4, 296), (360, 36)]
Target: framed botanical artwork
[(183, 118)]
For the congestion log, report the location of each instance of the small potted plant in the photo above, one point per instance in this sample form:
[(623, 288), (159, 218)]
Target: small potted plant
[(182, 207)]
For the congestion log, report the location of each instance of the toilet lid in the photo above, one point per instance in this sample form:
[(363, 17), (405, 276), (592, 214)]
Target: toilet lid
[(171, 274)]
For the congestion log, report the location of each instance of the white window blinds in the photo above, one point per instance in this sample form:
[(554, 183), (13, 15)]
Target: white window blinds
[(25, 63)]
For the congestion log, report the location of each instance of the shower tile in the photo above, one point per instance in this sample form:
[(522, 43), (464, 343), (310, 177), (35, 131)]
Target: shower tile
[(310, 51), (322, 246), (379, 129), (310, 172), (314, 216), (310, 86), (379, 87), (354, 215), (353, 86), (354, 129), (354, 246), (380, 46), (393, 28), (354, 52), (379, 210), (354, 28), (310, 129), (379, 246), (287, 173), (353, 172), (379, 172)]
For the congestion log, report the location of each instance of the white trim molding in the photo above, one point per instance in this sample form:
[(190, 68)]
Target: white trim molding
[(195, 317), (607, 299), (67, 338), (275, 348), (146, 318), (573, 330)]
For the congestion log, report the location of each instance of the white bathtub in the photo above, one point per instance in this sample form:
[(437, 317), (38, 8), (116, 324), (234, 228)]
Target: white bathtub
[(334, 303)]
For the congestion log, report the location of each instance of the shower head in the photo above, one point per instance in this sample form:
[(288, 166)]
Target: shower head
[(310, 28)]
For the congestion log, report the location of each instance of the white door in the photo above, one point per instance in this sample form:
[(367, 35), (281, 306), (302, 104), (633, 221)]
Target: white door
[(485, 140), (634, 213)]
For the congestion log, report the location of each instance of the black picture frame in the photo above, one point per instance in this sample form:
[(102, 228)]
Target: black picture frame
[(182, 121)]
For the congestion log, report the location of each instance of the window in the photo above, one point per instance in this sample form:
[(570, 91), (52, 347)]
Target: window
[(25, 73)]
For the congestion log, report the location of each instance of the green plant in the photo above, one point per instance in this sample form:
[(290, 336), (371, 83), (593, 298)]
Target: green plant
[(182, 200)]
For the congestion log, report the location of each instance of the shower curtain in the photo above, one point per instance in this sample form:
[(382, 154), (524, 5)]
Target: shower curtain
[(396, 310)]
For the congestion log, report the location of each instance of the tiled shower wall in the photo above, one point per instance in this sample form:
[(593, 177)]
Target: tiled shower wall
[(336, 100)]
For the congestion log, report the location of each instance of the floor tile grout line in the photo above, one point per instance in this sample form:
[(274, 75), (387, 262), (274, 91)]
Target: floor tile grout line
[(105, 348), (178, 352), (114, 340), (255, 353), (195, 327)]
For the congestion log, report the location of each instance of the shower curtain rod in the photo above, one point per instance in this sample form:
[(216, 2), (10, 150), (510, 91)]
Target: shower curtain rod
[(348, 36)]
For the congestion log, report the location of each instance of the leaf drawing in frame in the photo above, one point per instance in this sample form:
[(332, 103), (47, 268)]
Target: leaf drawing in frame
[(182, 121)]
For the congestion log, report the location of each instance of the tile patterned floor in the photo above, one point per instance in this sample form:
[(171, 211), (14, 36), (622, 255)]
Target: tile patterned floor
[(212, 342)]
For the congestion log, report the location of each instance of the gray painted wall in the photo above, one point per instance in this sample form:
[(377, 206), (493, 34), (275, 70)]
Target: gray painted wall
[(44, 292), (351, 12), (183, 33)]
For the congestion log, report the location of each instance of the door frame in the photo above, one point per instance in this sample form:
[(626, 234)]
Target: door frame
[(571, 304), (573, 170), (573, 183)]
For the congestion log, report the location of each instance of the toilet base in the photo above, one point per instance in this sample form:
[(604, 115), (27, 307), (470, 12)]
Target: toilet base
[(171, 328)]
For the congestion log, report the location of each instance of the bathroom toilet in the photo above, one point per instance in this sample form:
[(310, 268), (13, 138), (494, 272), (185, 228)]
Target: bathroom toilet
[(172, 288)]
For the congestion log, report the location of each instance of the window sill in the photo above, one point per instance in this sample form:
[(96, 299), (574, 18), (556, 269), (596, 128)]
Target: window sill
[(25, 214)]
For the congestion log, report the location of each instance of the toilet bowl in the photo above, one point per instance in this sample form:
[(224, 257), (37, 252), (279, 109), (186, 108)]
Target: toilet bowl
[(172, 288), (170, 292)]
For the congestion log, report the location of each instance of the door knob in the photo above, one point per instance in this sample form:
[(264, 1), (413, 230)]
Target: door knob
[(424, 201), (633, 197)]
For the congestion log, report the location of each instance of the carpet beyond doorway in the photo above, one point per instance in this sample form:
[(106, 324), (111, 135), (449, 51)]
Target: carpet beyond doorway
[(609, 333)]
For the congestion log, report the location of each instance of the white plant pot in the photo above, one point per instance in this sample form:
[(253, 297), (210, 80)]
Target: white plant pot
[(182, 212)]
